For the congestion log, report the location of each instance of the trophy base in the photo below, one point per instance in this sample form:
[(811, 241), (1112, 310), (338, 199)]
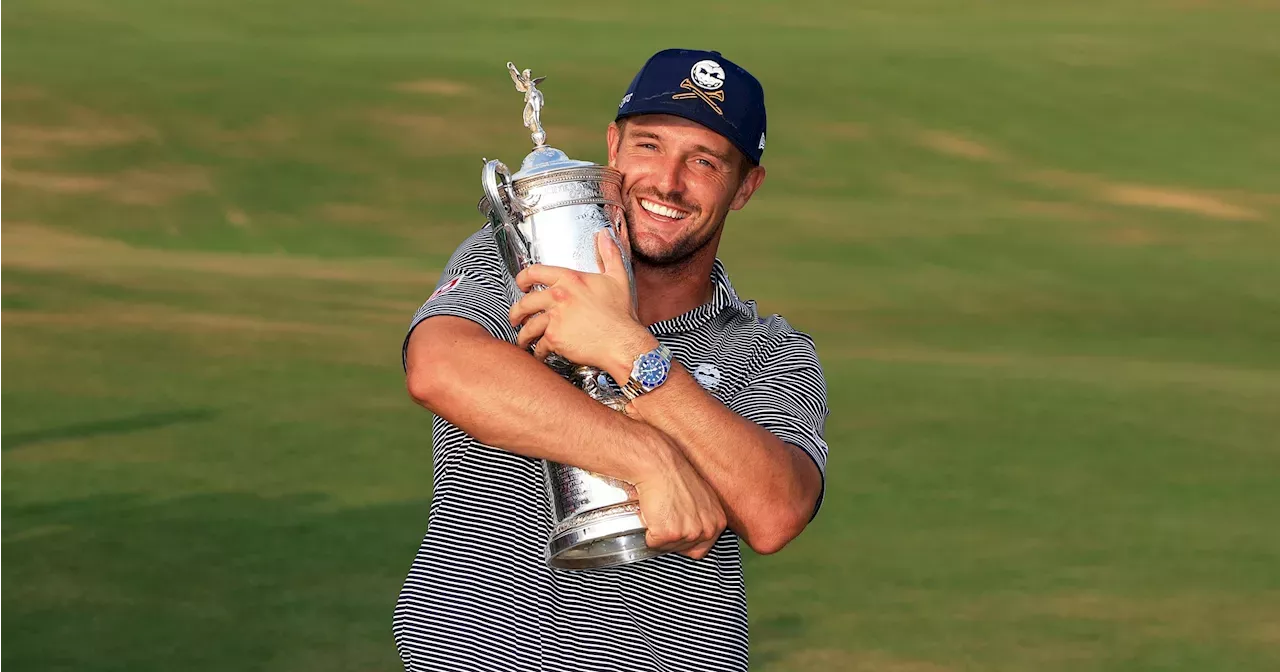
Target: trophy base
[(602, 538)]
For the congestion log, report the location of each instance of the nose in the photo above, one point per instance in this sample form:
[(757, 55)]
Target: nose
[(670, 177)]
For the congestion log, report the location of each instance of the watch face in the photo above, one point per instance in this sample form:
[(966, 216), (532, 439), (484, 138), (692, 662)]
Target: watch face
[(651, 369)]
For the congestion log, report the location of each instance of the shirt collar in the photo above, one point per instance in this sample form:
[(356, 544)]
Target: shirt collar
[(723, 297)]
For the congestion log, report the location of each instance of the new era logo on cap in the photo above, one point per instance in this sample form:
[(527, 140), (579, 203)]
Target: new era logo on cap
[(705, 87)]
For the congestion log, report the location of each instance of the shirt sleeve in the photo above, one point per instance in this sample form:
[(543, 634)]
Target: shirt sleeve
[(475, 285), (788, 397)]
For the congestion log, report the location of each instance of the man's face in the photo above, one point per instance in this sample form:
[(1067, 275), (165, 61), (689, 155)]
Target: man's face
[(679, 181)]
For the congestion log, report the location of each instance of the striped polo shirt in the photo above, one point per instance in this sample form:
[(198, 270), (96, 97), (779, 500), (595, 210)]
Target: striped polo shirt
[(479, 594)]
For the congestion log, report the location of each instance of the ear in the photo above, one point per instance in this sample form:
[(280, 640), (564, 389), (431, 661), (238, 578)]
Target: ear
[(612, 136), (753, 180)]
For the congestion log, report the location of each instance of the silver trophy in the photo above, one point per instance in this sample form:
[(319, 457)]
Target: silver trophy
[(549, 213)]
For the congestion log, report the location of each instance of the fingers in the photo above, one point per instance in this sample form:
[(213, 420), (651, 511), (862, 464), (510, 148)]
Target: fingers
[(700, 551), (667, 531), (533, 330), (705, 533), (693, 537), (697, 549), (611, 256), (543, 349), (531, 304), (666, 543), (540, 274)]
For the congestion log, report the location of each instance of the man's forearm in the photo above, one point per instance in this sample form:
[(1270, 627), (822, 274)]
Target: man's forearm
[(504, 397), (768, 487)]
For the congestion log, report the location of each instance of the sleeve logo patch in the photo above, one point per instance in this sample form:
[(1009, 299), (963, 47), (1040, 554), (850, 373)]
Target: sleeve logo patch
[(445, 288)]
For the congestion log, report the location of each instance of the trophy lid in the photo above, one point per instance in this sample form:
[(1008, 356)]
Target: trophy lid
[(544, 160)]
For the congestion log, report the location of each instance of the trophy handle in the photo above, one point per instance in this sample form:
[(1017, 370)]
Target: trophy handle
[(496, 179)]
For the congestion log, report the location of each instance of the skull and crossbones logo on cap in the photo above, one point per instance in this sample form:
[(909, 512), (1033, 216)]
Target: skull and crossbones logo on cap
[(704, 81)]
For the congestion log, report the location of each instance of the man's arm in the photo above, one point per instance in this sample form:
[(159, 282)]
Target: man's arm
[(503, 397), (769, 488)]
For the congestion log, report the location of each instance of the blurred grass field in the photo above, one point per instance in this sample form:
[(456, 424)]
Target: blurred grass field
[(1038, 245)]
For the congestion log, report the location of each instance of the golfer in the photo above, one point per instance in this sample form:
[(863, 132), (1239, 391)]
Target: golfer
[(722, 437)]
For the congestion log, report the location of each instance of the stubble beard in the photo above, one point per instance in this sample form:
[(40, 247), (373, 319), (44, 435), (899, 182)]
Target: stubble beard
[(677, 255)]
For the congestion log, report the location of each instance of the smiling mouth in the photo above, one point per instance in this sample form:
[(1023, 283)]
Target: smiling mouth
[(662, 210)]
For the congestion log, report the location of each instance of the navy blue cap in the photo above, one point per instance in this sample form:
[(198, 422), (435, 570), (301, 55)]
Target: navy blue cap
[(705, 87)]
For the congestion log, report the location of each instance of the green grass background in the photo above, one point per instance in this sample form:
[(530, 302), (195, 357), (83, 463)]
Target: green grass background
[(1038, 245)]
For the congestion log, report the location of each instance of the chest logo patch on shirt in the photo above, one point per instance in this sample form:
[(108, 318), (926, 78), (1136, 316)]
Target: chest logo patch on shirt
[(445, 288), (707, 375)]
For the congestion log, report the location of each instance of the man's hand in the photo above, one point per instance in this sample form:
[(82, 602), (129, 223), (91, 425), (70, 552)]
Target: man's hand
[(682, 513), (587, 318)]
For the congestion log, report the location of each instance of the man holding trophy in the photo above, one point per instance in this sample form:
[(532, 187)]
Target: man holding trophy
[(588, 499)]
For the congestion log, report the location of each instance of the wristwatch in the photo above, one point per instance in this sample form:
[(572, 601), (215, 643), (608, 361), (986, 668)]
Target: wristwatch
[(648, 371)]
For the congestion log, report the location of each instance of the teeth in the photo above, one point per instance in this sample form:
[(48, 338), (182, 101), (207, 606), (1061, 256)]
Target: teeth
[(659, 209)]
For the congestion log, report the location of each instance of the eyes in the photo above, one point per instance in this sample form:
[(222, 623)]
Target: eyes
[(701, 162)]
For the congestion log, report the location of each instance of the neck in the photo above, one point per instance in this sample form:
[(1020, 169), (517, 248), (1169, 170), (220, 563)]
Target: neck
[(664, 292)]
